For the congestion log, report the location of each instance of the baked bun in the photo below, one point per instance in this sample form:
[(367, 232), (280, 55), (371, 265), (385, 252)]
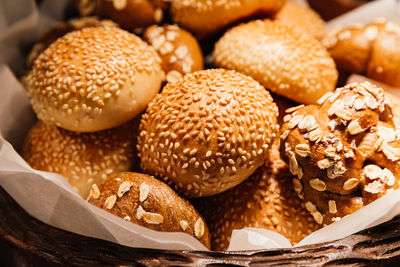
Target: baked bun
[(284, 59), (82, 158), (143, 200), (207, 132), (61, 29), (204, 17), (345, 151), (265, 200), (372, 50), (179, 51), (302, 16), (133, 15), (86, 81)]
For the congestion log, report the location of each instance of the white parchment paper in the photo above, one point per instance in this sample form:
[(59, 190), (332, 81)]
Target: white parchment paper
[(49, 198)]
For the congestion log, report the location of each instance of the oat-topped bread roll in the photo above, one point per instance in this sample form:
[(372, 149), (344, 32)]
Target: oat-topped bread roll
[(82, 158), (61, 29), (207, 132), (345, 151), (283, 58), (372, 50), (133, 15), (143, 200), (87, 81), (179, 50), (205, 17), (304, 17), (265, 200)]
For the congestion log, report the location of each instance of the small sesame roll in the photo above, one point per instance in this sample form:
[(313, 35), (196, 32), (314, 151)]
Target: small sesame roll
[(207, 132), (266, 200), (82, 158), (283, 58), (345, 151), (302, 16), (204, 17), (86, 81), (179, 50), (142, 199)]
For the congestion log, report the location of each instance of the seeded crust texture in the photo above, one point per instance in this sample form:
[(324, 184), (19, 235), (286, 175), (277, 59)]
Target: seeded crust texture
[(345, 151), (87, 81), (306, 18), (179, 50), (207, 132), (82, 158), (265, 200), (144, 200), (372, 50), (133, 15), (61, 29), (284, 59), (204, 17)]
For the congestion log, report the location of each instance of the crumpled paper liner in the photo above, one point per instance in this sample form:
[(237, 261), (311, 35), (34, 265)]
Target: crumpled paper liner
[(49, 198)]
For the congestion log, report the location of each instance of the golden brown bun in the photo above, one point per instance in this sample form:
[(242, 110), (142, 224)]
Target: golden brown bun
[(304, 17), (86, 81), (179, 50), (345, 151), (207, 132), (133, 15), (204, 17), (265, 200), (373, 50), (143, 200), (82, 158), (284, 59), (61, 29)]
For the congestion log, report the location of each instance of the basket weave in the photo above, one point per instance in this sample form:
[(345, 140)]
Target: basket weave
[(26, 241)]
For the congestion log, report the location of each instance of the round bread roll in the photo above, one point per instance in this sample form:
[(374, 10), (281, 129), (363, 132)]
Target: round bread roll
[(372, 50), (61, 29), (133, 15), (345, 151), (179, 50), (265, 200), (207, 132), (86, 81), (82, 158), (143, 200), (284, 59), (299, 15), (204, 17)]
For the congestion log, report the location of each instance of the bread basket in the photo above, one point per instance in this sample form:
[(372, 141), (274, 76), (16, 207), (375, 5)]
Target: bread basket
[(28, 241)]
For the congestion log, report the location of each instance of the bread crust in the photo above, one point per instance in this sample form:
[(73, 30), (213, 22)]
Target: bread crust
[(283, 58), (207, 132), (345, 151), (146, 201), (82, 158)]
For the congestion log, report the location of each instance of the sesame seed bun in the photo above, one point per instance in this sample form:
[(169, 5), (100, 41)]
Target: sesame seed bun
[(265, 200), (82, 158), (207, 132), (204, 17), (302, 16), (179, 50), (284, 59), (144, 200), (86, 81)]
